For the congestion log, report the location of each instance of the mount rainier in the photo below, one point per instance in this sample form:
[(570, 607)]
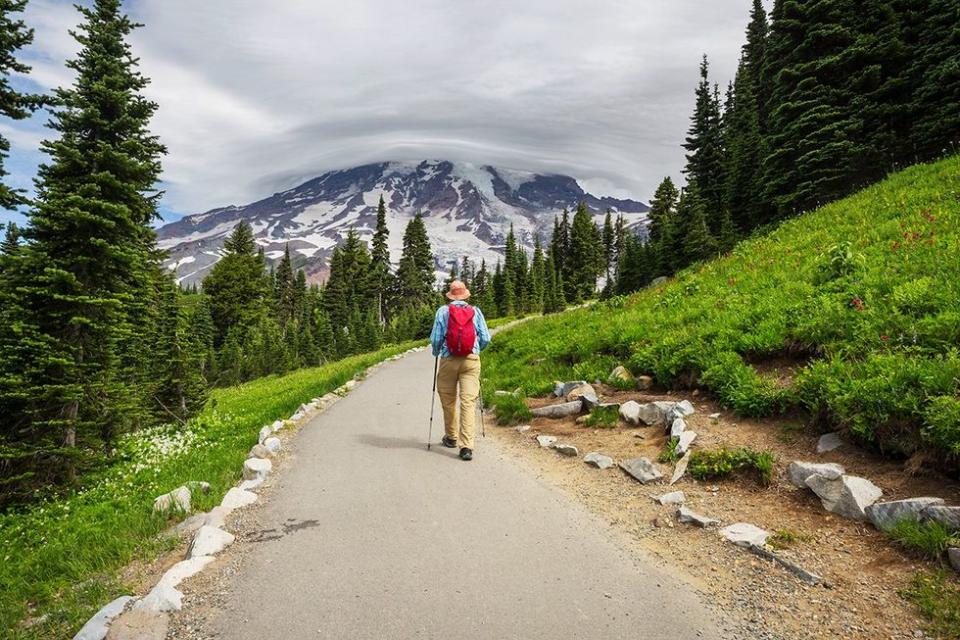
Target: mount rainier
[(468, 210)]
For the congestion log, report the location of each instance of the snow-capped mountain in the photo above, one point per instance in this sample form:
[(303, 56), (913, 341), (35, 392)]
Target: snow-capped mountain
[(468, 210)]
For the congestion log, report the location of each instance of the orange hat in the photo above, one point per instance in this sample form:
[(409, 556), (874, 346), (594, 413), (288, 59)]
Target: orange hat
[(458, 291)]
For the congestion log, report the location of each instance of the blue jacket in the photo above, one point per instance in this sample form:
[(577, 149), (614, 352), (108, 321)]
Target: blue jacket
[(438, 337)]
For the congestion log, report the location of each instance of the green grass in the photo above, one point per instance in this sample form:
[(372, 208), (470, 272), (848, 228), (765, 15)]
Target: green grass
[(927, 539), (670, 453), (938, 598), (510, 408), (603, 417), (710, 465), (61, 558), (787, 538), (860, 300)]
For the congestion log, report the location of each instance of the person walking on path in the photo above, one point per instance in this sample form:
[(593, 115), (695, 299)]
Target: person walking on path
[(459, 334)]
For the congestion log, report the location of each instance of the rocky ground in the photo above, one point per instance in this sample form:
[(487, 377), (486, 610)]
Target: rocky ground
[(863, 570)]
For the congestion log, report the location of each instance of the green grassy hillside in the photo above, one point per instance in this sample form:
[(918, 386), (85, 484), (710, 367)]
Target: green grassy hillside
[(858, 301)]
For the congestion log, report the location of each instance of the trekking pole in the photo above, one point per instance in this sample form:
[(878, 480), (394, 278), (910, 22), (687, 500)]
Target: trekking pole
[(483, 425), (433, 399)]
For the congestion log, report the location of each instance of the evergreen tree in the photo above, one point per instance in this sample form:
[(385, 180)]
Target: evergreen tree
[(91, 248), (585, 257), (560, 247), (284, 289), (14, 35), (538, 277), (380, 262), (662, 206), (345, 293), (609, 246), (236, 285), (698, 243), (553, 290), (180, 388), (482, 291), (413, 284), (704, 143)]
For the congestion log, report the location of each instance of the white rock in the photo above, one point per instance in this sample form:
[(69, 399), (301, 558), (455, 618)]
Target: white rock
[(714, 416), (178, 499), (654, 413), (237, 498), (297, 417), (578, 392), (947, 516), (558, 410), (546, 441), (198, 485), (847, 496), (744, 534), (217, 517), (681, 468), (265, 433), (598, 460), (560, 389), (272, 444), (139, 624), (277, 425), (256, 468), (799, 471), (688, 516), (523, 428), (677, 427), (829, 442), (258, 451), (191, 524), (684, 408), (630, 411), (249, 485), (165, 596), (642, 469), (209, 541), (566, 450), (884, 515), (686, 439), (96, 627), (674, 497), (350, 384)]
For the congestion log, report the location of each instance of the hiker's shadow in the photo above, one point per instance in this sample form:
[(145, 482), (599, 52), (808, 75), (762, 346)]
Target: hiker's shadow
[(391, 442)]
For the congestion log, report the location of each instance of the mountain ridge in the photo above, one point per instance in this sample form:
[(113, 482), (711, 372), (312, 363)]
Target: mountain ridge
[(467, 208)]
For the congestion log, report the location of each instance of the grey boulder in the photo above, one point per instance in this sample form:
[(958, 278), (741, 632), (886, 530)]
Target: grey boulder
[(566, 450), (272, 445), (947, 516), (681, 468), (674, 497), (96, 627), (237, 498), (630, 412), (165, 596), (684, 408), (677, 427), (829, 442), (178, 499), (688, 516), (266, 432), (642, 469), (578, 392), (209, 541), (561, 389), (644, 383), (846, 496), (884, 515), (259, 451), (954, 556), (620, 374), (254, 468), (655, 413), (598, 460), (744, 534), (546, 441), (558, 410), (799, 471), (686, 439)]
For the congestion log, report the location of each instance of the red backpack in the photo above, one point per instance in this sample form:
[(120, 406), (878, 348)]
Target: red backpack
[(461, 334)]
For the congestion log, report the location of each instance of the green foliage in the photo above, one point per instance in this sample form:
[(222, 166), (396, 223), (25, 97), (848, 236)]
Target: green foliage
[(708, 465), (928, 539), (937, 596), (604, 417), (670, 453), (787, 538), (511, 408)]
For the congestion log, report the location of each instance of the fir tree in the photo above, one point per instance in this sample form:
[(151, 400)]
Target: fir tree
[(704, 143), (609, 246), (380, 262), (236, 285), (585, 257), (413, 285), (283, 289), (698, 243), (345, 293), (662, 206), (553, 289), (538, 277)]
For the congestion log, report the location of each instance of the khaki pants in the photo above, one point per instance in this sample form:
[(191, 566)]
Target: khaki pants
[(466, 372)]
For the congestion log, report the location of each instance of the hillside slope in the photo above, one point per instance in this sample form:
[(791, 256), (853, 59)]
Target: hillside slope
[(851, 312)]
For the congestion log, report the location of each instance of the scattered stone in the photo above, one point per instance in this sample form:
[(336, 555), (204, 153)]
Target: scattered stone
[(653, 413), (688, 516), (620, 374), (256, 468), (598, 460), (560, 389), (96, 627), (140, 625), (277, 425), (674, 497), (590, 401), (266, 432), (656, 282), (641, 469), (845, 496), (579, 392), (178, 499), (237, 498), (640, 434), (165, 596), (686, 439), (566, 450), (681, 468), (523, 428), (630, 411), (678, 426), (272, 445), (304, 409), (248, 485), (884, 515), (799, 471), (546, 441), (198, 485), (644, 383), (947, 516), (954, 557), (217, 517), (714, 416), (191, 524), (684, 408), (209, 541), (500, 393), (350, 384), (259, 451), (829, 442), (558, 410), (297, 417), (744, 534), (810, 578)]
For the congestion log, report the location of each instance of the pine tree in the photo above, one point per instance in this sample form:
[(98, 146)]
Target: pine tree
[(236, 285), (380, 262), (609, 246), (413, 284), (91, 250), (585, 256), (560, 247), (14, 35), (698, 243), (283, 289), (538, 277), (553, 291), (662, 206), (704, 143), (180, 388), (345, 292), (482, 291)]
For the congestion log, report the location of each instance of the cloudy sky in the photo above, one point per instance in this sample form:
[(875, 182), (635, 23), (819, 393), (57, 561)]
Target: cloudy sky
[(257, 96)]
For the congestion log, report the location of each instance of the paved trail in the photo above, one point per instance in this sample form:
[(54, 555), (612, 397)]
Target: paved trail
[(386, 540)]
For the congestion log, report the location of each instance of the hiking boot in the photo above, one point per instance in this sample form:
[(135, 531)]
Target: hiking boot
[(449, 442), (466, 454)]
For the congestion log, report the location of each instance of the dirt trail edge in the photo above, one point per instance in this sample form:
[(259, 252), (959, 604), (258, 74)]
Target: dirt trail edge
[(366, 534)]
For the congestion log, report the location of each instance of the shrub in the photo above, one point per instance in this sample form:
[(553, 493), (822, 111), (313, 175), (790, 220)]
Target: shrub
[(605, 417), (707, 465), (928, 539), (938, 599), (942, 416), (669, 453), (511, 408)]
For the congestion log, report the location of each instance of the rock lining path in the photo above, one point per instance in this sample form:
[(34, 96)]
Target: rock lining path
[(399, 542)]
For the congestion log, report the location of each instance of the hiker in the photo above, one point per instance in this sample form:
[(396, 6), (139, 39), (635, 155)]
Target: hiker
[(459, 335)]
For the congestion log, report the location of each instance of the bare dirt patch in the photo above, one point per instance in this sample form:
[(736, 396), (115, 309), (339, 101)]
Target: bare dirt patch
[(864, 570)]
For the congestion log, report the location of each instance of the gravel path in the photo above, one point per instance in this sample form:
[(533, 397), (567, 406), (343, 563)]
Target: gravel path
[(366, 534)]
